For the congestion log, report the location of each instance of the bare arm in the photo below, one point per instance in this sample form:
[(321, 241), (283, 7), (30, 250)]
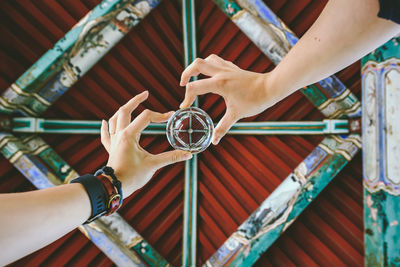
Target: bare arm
[(31, 220), (344, 32), (34, 219)]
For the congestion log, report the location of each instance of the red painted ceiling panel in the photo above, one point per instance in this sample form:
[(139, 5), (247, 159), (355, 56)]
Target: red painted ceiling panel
[(234, 177)]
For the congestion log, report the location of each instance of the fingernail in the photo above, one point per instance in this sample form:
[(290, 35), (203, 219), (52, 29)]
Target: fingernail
[(187, 156), (145, 92), (216, 141)]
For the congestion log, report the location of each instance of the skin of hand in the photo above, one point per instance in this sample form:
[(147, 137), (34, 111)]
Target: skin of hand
[(133, 165), (34, 219), (244, 91), (322, 51)]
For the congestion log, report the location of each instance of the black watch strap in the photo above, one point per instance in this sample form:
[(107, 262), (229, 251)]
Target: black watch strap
[(97, 195)]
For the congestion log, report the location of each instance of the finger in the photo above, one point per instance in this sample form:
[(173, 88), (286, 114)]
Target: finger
[(199, 87), (170, 157), (223, 127), (105, 136), (144, 119), (198, 66), (215, 59), (125, 111), (112, 123)]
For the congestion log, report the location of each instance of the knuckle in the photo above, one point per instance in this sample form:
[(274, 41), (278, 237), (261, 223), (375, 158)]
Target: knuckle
[(198, 61), (122, 109), (190, 87), (213, 56), (146, 112), (123, 136), (232, 116), (113, 118), (175, 157), (220, 82), (220, 131)]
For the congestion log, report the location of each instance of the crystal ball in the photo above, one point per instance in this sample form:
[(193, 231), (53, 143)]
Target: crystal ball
[(190, 129)]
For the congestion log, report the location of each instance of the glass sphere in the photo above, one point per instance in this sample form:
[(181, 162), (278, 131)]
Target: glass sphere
[(190, 129)]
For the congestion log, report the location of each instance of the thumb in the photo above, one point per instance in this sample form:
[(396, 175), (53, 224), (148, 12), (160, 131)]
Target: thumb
[(167, 158), (223, 127)]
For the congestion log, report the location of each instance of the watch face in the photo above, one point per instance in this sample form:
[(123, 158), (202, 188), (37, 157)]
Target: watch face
[(190, 129)]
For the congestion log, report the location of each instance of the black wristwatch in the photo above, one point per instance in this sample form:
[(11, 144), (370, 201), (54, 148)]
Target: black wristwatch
[(97, 195)]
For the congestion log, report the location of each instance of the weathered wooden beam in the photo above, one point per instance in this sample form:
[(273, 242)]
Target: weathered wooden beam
[(286, 202), (73, 55), (275, 39), (189, 245), (29, 165), (381, 154), (45, 168), (327, 126)]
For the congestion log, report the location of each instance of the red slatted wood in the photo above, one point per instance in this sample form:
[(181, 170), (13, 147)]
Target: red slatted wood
[(234, 177)]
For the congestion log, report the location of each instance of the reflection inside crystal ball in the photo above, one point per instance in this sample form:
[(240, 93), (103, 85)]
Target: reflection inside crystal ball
[(190, 129)]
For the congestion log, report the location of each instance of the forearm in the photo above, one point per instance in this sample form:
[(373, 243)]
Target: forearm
[(344, 32), (34, 219)]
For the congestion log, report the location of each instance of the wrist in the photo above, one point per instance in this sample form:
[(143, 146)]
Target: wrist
[(112, 185), (127, 187), (275, 86)]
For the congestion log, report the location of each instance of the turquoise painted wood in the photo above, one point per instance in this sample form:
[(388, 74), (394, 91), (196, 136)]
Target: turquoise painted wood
[(285, 204), (36, 146), (381, 154), (327, 126), (29, 165), (73, 55), (189, 249), (256, 234), (292, 127), (275, 39), (189, 239)]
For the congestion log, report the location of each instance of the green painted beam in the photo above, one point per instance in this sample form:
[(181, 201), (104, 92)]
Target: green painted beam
[(286, 202), (380, 76), (40, 164), (189, 239), (291, 127), (190, 213), (73, 55), (40, 125), (275, 39), (29, 165)]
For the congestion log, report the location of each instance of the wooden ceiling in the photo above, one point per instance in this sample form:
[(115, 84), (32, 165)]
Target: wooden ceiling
[(234, 177)]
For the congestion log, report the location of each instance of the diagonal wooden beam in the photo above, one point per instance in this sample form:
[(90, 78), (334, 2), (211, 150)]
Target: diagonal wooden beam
[(275, 39), (380, 76), (73, 55), (324, 127), (331, 97), (189, 245), (280, 209), (45, 168)]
